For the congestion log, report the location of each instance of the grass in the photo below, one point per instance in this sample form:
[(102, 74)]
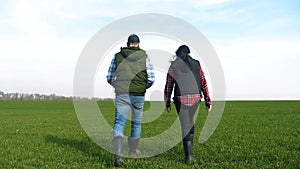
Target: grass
[(251, 134)]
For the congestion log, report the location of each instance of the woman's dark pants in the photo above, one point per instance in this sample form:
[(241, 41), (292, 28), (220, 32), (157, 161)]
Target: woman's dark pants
[(186, 117)]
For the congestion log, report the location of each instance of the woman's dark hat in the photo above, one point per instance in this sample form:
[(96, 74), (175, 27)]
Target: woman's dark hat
[(183, 49)]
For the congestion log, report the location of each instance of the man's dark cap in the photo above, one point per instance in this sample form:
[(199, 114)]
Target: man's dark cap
[(133, 39)]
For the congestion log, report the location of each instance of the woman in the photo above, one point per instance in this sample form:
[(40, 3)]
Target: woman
[(189, 80)]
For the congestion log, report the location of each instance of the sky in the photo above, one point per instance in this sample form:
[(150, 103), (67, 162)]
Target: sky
[(257, 43)]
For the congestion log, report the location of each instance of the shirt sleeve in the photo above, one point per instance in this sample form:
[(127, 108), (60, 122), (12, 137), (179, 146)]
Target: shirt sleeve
[(169, 86), (204, 87), (150, 73), (111, 70)]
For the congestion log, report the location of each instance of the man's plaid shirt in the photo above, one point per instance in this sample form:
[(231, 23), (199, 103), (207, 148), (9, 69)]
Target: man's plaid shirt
[(188, 99)]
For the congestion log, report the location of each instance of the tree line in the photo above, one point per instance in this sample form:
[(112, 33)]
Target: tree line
[(37, 96)]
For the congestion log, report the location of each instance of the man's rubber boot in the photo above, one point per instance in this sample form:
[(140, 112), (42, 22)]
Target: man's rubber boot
[(133, 144), (118, 151), (187, 147)]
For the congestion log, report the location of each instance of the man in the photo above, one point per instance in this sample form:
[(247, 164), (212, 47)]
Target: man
[(188, 77), (130, 73)]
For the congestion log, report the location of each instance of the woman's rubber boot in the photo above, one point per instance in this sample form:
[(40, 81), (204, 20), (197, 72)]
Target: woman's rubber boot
[(187, 147), (192, 139)]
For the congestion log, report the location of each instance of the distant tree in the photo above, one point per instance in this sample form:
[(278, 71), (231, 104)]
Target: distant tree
[(1, 95)]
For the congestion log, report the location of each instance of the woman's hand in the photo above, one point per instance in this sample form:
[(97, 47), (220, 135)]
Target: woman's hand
[(208, 108)]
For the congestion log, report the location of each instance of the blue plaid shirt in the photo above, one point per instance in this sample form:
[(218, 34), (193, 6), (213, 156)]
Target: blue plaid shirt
[(149, 69)]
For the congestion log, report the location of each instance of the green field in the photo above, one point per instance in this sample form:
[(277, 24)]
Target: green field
[(251, 134)]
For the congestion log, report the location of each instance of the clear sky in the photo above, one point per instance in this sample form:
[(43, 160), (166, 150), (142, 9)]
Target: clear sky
[(257, 42)]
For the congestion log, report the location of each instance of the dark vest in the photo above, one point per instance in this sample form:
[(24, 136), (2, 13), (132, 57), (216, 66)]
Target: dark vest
[(130, 76), (186, 76)]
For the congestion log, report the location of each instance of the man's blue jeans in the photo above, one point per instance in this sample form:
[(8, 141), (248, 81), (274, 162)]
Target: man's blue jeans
[(124, 103)]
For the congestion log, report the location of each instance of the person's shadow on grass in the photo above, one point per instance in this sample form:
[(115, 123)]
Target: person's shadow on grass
[(99, 155), (87, 146)]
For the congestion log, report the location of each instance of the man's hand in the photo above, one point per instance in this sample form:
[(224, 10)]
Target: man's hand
[(168, 109)]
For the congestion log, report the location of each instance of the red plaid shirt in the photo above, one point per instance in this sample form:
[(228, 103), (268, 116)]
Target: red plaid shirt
[(188, 99)]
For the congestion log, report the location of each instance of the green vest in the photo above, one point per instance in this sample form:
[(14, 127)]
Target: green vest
[(130, 75)]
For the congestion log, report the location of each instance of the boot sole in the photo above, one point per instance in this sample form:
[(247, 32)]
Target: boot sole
[(119, 163)]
